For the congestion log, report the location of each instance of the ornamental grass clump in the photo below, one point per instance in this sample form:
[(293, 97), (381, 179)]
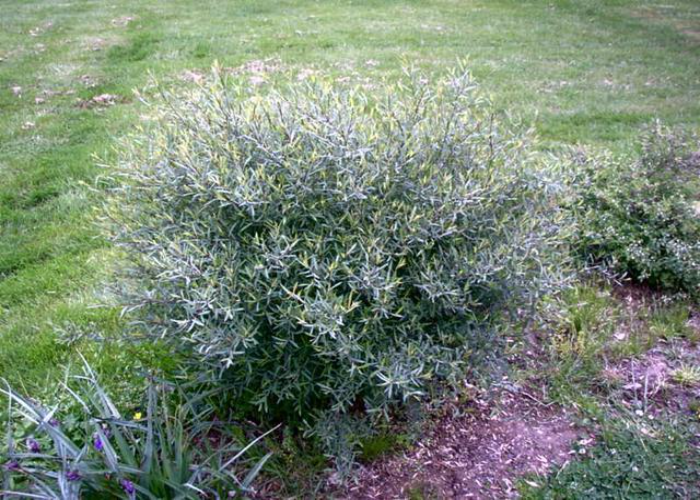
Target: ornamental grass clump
[(320, 248), (85, 448)]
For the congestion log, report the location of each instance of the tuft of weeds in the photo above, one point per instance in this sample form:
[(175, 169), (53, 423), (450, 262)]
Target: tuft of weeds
[(141, 47), (201, 50), (687, 374), (585, 318), (384, 443), (588, 319), (297, 464), (671, 322), (422, 491)]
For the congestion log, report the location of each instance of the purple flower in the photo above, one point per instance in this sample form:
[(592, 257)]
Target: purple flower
[(73, 475), (33, 445), (13, 466), (97, 442), (54, 422), (128, 486)]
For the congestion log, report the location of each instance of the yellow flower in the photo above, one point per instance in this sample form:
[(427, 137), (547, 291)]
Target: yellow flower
[(137, 415)]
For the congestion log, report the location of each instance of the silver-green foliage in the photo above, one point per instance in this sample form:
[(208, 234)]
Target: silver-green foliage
[(326, 247)]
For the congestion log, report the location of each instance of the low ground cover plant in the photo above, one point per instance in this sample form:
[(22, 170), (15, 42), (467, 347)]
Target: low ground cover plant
[(323, 250), (86, 448), (639, 217), (633, 458)]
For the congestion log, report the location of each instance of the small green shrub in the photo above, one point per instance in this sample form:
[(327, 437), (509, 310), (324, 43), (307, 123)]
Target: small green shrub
[(321, 248), (88, 449), (639, 218)]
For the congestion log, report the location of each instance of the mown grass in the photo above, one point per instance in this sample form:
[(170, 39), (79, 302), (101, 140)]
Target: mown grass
[(588, 72)]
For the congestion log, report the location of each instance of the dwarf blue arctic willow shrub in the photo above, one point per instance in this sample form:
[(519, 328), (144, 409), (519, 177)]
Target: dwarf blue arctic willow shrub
[(639, 217), (326, 249)]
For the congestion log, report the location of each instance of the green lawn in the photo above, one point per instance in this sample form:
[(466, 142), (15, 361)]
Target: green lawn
[(589, 72)]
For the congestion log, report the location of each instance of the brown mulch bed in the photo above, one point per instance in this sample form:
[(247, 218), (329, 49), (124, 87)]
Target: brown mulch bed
[(477, 455)]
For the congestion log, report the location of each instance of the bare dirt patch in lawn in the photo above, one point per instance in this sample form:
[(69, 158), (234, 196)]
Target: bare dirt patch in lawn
[(636, 302), (96, 43), (653, 383), (39, 30), (101, 101), (192, 76), (258, 71), (122, 21), (479, 454)]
